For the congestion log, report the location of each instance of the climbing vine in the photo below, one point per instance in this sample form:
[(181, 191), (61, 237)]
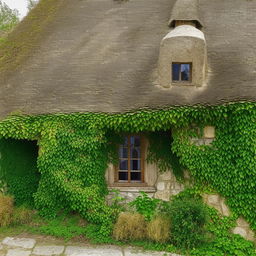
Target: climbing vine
[(75, 150)]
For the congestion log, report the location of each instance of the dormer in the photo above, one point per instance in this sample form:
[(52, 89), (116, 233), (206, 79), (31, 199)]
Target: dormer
[(183, 54)]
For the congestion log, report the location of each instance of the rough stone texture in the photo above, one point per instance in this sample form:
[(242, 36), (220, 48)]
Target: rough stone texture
[(167, 186), (242, 226), (82, 251), (18, 252), (217, 202), (25, 243), (134, 252), (243, 229), (183, 44), (209, 132), (48, 250)]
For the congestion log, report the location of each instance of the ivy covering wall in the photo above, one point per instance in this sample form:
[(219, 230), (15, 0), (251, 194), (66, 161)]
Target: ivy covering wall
[(18, 169), (74, 151)]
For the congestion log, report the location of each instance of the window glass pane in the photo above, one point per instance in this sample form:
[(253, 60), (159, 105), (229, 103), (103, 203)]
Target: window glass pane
[(175, 72), (125, 141), (135, 165), (185, 72), (135, 141), (135, 152), (123, 176), (135, 176), (123, 152), (123, 164)]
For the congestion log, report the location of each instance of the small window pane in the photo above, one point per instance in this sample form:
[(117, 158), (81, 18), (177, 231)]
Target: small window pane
[(175, 72), (135, 141), (135, 152), (123, 152), (185, 72), (136, 176), (123, 176), (123, 165), (125, 143), (135, 165)]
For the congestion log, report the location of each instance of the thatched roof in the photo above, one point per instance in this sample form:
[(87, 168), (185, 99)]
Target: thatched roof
[(102, 55)]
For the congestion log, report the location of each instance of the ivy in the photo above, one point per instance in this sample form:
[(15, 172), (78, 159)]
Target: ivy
[(75, 149)]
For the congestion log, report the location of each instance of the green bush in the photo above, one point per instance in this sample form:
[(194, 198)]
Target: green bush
[(188, 220), (145, 205), (22, 215)]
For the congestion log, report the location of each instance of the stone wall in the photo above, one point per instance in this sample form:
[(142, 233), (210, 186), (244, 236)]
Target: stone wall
[(242, 226), (167, 186)]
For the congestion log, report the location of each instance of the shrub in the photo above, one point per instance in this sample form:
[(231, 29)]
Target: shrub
[(188, 219), (145, 205), (158, 229), (130, 226), (6, 210), (22, 215)]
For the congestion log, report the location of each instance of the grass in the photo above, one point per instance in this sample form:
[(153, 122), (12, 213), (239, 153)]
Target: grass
[(64, 227)]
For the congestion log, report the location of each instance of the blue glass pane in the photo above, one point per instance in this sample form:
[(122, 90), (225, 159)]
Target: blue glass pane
[(123, 152), (135, 165), (185, 72), (175, 72), (125, 142), (135, 141), (123, 165), (135, 152)]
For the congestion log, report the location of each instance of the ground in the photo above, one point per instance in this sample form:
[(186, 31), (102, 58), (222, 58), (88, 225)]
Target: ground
[(35, 245)]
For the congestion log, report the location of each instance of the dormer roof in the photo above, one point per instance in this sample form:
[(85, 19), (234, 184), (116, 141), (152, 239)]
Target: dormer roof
[(102, 56), (185, 10)]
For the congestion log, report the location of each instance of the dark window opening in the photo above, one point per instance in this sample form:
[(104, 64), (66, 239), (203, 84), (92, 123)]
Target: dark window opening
[(181, 72), (130, 169)]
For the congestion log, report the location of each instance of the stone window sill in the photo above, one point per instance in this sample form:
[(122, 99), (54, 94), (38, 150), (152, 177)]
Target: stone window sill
[(132, 188)]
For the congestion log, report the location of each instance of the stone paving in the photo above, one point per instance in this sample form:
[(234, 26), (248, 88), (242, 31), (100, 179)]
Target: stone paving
[(16, 246)]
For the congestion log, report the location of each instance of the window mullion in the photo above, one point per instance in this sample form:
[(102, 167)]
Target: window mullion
[(129, 159)]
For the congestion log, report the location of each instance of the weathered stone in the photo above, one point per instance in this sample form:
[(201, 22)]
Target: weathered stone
[(213, 199), (166, 176), (225, 209), (84, 251), (18, 252), (240, 231), (25, 243), (241, 222), (48, 250), (160, 186), (209, 132), (251, 236), (163, 195), (134, 252)]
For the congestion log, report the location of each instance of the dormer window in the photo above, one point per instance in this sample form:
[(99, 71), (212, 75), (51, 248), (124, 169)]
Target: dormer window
[(181, 72)]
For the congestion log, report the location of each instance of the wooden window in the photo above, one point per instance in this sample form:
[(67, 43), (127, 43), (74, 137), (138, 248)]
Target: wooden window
[(131, 160), (181, 72)]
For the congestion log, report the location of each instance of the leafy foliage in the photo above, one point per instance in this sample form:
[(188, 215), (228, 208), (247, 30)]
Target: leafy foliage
[(160, 152), (76, 148), (18, 170), (188, 221), (145, 205), (8, 18)]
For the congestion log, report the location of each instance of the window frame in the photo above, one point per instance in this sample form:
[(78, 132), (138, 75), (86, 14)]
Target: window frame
[(142, 159), (190, 73)]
